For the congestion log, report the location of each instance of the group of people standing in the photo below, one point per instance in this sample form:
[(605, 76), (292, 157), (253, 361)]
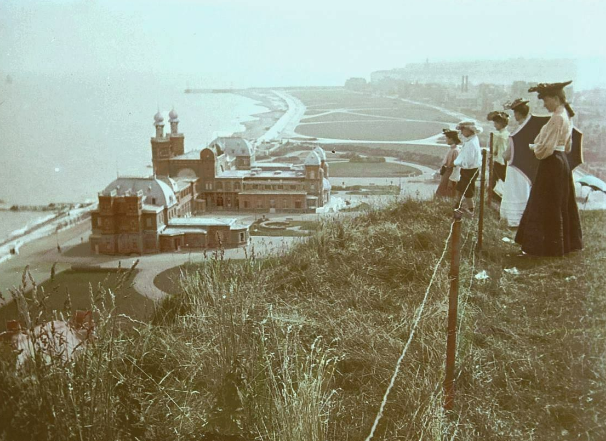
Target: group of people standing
[(545, 211)]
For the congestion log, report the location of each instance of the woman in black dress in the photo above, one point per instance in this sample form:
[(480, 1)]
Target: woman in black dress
[(550, 225)]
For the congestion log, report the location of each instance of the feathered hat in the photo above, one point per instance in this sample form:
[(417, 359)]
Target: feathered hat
[(548, 89)]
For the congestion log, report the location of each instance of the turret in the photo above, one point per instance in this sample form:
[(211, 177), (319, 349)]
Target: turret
[(177, 140)]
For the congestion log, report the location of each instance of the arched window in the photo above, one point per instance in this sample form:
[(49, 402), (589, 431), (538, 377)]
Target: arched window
[(312, 174)]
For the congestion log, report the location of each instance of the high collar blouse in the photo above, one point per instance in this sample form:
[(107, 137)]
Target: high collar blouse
[(557, 132)]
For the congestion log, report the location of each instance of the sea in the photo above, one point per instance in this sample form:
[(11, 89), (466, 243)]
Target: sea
[(64, 138)]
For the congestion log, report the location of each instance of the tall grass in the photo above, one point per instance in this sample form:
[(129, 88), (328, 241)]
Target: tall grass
[(301, 346)]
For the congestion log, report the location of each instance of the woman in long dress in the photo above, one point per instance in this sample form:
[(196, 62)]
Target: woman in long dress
[(449, 173), (550, 225), (517, 186), (499, 143)]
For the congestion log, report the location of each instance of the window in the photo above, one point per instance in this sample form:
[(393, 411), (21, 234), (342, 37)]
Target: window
[(272, 203), (219, 185), (245, 204), (267, 187), (99, 222), (242, 237), (237, 186), (313, 187), (285, 203), (259, 203), (148, 222), (312, 174)]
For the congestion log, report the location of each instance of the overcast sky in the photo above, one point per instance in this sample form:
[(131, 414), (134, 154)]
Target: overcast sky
[(281, 42)]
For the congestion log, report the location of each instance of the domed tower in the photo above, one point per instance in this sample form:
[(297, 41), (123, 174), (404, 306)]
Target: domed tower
[(322, 154), (244, 155), (207, 170), (314, 176), (159, 123), (161, 149), (177, 140)]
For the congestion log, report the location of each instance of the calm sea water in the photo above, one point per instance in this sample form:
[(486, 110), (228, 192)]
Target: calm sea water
[(63, 139)]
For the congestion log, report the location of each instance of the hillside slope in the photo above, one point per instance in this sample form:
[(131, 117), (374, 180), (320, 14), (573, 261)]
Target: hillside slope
[(302, 346)]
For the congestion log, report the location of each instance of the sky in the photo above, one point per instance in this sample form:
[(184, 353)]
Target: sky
[(237, 43)]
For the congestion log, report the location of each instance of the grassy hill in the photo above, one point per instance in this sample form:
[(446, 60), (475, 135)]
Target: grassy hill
[(303, 345)]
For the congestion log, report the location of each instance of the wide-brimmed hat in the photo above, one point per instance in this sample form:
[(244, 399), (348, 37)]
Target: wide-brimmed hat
[(511, 105), (471, 125), (546, 89), (498, 116), (452, 134)]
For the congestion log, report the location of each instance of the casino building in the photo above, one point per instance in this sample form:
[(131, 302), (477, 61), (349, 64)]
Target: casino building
[(228, 178), (153, 214)]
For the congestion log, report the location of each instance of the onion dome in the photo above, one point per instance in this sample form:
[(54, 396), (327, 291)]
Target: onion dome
[(321, 153), (173, 117), (158, 119)]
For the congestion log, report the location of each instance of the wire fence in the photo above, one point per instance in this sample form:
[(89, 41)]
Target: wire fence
[(419, 311)]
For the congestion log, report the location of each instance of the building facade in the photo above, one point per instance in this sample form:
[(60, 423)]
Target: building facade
[(229, 179)]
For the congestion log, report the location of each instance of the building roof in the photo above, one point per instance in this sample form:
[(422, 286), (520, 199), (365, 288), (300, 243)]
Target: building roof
[(201, 222), (321, 153), (255, 174), (191, 223), (234, 146), (312, 159), (172, 116), (155, 192), (152, 208), (168, 231), (273, 166), (192, 154), (273, 192), (158, 119)]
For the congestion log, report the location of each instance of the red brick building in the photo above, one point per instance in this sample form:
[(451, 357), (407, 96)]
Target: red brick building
[(229, 178)]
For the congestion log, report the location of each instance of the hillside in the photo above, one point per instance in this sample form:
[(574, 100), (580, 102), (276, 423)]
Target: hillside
[(302, 346)]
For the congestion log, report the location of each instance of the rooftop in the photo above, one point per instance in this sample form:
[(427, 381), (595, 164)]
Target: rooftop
[(201, 222)]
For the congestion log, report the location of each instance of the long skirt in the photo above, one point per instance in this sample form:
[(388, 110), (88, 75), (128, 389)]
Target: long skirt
[(499, 171), (550, 225), (515, 196), (446, 187)]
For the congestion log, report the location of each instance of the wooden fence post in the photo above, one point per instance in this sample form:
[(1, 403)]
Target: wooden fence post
[(490, 167), (482, 192), (453, 302)]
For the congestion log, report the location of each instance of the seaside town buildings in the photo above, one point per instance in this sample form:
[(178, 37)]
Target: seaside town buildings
[(155, 214)]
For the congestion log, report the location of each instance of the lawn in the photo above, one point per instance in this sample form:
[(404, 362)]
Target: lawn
[(78, 285), (370, 170), (305, 228), (372, 130), (414, 112)]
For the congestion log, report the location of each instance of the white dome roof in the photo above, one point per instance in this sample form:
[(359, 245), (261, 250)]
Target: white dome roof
[(154, 190), (158, 118), (173, 116), (321, 153), (312, 159)]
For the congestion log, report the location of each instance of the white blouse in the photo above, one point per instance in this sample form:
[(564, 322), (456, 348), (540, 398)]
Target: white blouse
[(470, 156)]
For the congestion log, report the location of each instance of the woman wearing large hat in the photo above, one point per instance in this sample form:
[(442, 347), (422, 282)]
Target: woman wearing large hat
[(449, 173), (469, 160), (517, 187), (550, 225), (500, 141)]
